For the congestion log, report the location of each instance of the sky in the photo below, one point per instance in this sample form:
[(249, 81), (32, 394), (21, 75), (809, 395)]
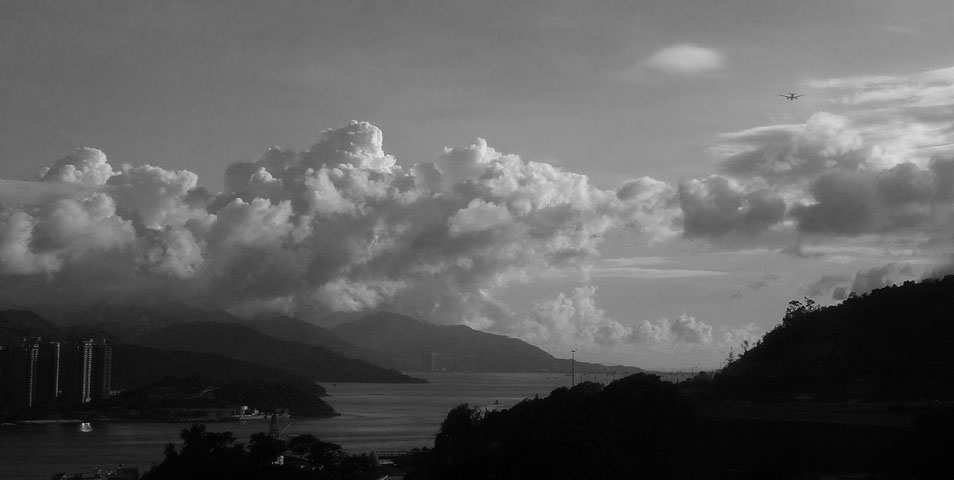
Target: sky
[(618, 178)]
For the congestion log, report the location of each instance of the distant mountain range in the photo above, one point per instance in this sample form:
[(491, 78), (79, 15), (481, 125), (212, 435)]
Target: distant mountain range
[(315, 352), (384, 339), (136, 366), (370, 349), (416, 344), (294, 330), (237, 341)]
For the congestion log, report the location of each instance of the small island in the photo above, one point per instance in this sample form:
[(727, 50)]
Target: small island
[(177, 399)]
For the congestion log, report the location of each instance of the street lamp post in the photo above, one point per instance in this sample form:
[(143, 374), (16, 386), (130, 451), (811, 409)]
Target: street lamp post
[(572, 368)]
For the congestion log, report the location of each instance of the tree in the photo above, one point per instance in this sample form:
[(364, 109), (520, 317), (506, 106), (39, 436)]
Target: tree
[(729, 360), (460, 421), (197, 441), (265, 449), (314, 450), (797, 309), (204, 455)]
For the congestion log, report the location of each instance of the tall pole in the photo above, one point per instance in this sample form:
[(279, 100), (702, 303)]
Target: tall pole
[(572, 368)]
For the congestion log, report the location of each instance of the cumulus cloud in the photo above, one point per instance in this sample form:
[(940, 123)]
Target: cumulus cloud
[(786, 154), (20, 192), (574, 319), (682, 329), (716, 206), (686, 59), (653, 207), (340, 226), (880, 164), (85, 166), (901, 198)]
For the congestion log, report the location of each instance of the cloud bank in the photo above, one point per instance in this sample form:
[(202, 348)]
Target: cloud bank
[(339, 227), (881, 165), (575, 319)]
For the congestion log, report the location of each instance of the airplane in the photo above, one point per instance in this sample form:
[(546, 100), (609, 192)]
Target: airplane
[(791, 96)]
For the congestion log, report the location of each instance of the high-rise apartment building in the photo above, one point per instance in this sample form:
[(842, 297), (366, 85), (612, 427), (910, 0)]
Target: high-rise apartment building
[(102, 374), (49, 374), (19, 365), (36, 374)]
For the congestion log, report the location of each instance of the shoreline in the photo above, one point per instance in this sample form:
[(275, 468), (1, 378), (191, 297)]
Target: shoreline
[(77, 421)]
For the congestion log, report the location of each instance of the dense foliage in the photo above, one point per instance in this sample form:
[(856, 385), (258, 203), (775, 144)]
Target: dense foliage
[(893, 343), (208, 455), (632, 427)]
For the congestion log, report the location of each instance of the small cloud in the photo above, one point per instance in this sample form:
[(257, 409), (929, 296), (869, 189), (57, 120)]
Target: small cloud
[(903, 30), (834, 285), (864, 281), (686, 59), (638, 268), (763, 282)]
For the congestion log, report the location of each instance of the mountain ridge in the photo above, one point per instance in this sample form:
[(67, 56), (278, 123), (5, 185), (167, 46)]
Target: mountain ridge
[(454, 347), (136, 366), (237, 341)]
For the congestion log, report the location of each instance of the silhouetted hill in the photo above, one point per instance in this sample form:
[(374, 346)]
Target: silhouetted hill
[(136, 366), (237, 341), (893, 343), (128, 322), (294, 330), (633, 428), (455, 347), (17, 324), (174, 396)]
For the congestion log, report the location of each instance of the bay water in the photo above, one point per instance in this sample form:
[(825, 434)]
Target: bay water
[(373, 416)]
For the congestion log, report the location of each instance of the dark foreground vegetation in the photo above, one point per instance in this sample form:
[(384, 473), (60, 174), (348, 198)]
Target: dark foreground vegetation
[(642, 427), (633, 428), (208, 455), (895, 343)]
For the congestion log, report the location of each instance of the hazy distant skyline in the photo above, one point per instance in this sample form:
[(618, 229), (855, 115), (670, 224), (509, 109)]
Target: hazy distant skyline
[(708, 201)]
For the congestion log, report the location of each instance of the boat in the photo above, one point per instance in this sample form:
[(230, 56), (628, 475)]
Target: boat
[(244, 417)]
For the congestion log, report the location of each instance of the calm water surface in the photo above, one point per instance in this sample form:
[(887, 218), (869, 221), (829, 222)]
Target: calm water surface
[(373, 417)]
